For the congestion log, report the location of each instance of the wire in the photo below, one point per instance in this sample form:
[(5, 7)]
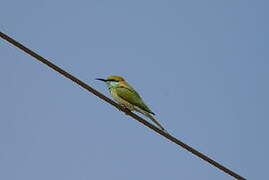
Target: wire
[(136, 117)]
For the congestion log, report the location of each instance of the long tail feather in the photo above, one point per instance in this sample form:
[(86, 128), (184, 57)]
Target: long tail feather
[(151, 118)]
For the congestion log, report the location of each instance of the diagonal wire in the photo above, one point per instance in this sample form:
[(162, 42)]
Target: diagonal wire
[(108, 100)]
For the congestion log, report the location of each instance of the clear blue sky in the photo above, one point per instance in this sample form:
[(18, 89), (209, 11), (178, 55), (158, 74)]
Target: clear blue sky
[(202, 67)]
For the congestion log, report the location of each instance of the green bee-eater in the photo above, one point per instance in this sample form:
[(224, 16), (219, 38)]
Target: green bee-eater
[(125, 95)]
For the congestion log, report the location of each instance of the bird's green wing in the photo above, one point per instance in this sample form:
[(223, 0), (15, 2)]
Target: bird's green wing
[(132, 97)]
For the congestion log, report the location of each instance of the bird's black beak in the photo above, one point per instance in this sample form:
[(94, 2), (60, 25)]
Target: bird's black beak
[(101, 79)]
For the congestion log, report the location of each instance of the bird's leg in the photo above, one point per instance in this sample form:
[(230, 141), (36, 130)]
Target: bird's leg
[(126, 109)]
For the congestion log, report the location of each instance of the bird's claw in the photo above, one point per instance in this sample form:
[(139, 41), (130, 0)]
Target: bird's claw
[(126, 110)]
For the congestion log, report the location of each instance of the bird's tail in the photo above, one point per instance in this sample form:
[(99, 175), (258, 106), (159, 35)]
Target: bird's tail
[(151, 118)]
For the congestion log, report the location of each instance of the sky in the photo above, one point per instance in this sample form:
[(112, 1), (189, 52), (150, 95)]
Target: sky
[(201, 66)]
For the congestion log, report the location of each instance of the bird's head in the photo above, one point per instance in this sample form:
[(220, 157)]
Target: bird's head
[(112, 80)]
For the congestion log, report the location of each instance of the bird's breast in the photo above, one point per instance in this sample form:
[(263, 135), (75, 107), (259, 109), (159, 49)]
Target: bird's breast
[(118, 99)]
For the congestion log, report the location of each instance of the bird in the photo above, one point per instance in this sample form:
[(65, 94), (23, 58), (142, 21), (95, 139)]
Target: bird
[(125, 95)]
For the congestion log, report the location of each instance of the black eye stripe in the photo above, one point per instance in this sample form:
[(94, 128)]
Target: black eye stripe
[(113, 80)]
